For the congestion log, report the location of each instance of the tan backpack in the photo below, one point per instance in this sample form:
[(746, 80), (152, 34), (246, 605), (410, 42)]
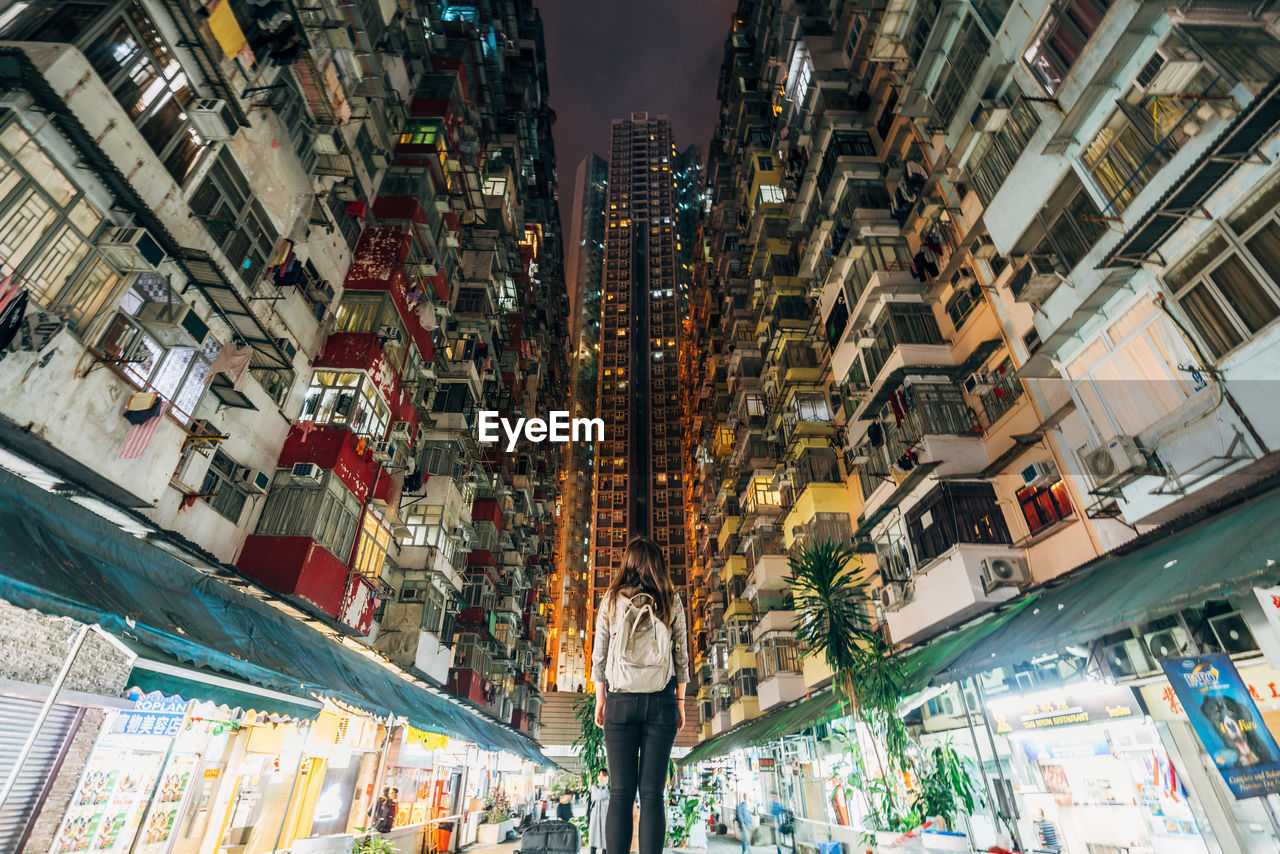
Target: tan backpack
[(639, 660)]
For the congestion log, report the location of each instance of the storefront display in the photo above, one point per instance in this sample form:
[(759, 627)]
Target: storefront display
[(116, 786), (1088, 762)]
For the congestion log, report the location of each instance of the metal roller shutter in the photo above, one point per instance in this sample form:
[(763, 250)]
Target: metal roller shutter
[(15, 723)]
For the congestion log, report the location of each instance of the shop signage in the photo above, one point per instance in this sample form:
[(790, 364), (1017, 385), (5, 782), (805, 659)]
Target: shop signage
[(1262, 681), (1227, 721), (1269, 598), (1082, 703), (152, 714)]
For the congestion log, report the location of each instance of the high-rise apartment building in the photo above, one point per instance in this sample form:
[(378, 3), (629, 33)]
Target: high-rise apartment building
[(638, 476), (570, 586)]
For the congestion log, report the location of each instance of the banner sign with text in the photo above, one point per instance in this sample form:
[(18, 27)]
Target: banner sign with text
[(1227, 721), (1082, 703)]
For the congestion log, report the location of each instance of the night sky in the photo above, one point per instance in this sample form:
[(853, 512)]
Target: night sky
[(608, 58)]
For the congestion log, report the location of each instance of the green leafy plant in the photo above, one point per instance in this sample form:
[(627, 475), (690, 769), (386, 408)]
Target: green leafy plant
[(682, 819), (371, 843), (831, 596), (590, 740), (946, 786), (496, 808)]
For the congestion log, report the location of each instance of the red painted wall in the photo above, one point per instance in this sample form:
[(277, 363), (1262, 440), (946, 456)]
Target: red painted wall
[(297, 566)]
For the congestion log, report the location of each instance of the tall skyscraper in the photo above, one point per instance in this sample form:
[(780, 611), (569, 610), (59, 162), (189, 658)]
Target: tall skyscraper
[(571, 588), (638, 472)]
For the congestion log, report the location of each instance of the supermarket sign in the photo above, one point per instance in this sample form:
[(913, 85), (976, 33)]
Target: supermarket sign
[(152, 714)]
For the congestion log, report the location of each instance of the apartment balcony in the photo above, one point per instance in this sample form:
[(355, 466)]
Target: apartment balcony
[(741, 657), (815, 671), (947, 591), (451, 422), (774, 622), (780, 688), (744, 710), (771, 572)]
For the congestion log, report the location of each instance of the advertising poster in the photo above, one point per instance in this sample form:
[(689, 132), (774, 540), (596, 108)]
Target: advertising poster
[(1227, 722)]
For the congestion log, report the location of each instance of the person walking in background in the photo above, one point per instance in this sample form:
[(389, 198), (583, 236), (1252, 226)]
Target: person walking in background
[(597, 810), (564, 810), (1048, 832), (742, 818), (640, 665), (779, 813), (379, 811)]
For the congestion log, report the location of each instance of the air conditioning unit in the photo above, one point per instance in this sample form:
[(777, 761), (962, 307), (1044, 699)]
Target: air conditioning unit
[(255, 481), (306, 473), (996, 119), (893, 595), (979, 382), (326, 143), (389, 332), (1003, 572), (1174, 77), (451, 239), (1116, 462), (1035, 281), (173, 324), (212, 118), (442, 206), (379, 160), (413, 594), (345, 191), (1039, 474), (131, 250), (385, 452), (1233, 633), (1168, 643), (402, 431), (1126, 658), (985, 250)]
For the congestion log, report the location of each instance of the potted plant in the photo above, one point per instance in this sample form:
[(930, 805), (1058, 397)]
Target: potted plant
[(904, 788), (590, 740), (370, 843), (497, 819)]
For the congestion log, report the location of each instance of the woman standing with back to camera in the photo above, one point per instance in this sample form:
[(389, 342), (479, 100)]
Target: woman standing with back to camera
[(640, 664)]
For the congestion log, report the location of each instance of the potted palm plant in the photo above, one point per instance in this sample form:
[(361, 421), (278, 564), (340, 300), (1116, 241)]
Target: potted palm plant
[(831, 593)]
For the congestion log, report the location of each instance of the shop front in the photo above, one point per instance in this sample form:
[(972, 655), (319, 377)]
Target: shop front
[(1090, 766), (150, 784)]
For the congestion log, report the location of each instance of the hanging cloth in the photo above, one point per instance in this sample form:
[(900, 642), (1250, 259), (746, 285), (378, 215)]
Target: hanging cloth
[(11, 317), (895, 404), (38, 330), (135, 444), (9, 288), (234, 362)]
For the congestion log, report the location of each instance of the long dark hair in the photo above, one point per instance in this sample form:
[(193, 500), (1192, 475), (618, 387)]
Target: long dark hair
[(644, 570)]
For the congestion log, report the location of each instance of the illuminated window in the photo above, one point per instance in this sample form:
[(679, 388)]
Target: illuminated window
[(375, 542)]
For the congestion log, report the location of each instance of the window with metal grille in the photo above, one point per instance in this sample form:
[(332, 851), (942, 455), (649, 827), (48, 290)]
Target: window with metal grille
[(234, 217), (961, 67), (223, 488)]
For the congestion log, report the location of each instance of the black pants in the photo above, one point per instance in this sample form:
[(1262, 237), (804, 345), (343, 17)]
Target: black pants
[(639, 732)]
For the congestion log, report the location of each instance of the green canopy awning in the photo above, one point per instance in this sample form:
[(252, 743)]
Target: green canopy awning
[(922, 663), (1235, 548), (788, 720), (155, 671)]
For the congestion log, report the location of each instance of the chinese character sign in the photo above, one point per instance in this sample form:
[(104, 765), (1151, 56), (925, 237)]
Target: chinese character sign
[(1269, 599), (1227, 721)]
